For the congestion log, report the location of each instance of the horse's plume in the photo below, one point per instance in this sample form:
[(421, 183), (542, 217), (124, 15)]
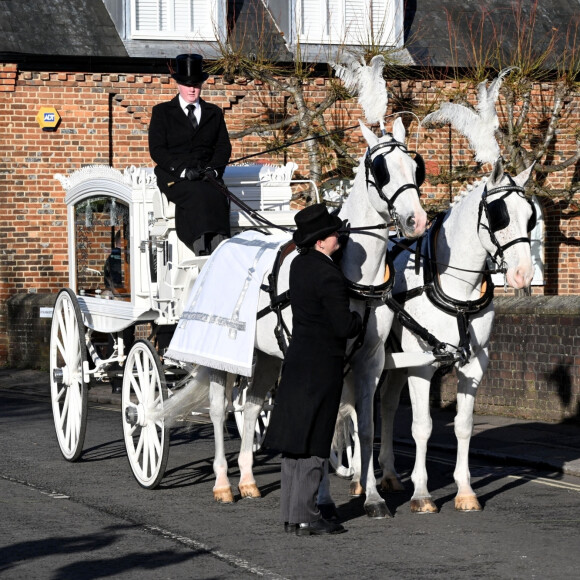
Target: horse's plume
[(366, 82), (478, 126)]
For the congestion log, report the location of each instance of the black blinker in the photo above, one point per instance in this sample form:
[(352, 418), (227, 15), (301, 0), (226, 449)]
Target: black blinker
[(533, 218), (420, 173), (497, 215), (380, 171)]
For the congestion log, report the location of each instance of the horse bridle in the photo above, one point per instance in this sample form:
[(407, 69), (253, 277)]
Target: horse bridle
[(378, 170), (499, 218)]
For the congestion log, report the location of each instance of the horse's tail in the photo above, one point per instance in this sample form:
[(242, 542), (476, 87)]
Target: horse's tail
[(193, 396)]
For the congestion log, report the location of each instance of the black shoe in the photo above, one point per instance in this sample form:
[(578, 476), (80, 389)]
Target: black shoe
[(328, 511), (290, 528), (319, 527)]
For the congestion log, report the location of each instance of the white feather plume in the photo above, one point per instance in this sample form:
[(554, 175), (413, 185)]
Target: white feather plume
[(478, 126), (367, 82)]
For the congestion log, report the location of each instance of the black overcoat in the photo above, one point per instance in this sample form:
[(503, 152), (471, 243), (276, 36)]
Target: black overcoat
[(308, 397), (175, 145)]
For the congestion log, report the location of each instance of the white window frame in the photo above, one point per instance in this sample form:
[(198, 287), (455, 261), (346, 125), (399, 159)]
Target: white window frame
[(335, 29), (212, 32)]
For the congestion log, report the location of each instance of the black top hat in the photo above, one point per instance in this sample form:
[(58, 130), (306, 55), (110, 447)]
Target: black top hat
[(314, 223), (188, 70)]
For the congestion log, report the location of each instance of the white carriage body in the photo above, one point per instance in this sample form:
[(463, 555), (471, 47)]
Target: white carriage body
[(158, 295)]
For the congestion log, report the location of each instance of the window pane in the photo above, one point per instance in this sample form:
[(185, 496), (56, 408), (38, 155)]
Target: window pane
[(182, 16), (190, 19), (335, 20), (163, 15), (311, 25), (147, 15), (204, 18), (357, 22), (102, 247), (379, 12), (349, 21)]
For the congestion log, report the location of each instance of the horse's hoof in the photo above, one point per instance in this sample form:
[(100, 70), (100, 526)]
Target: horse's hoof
[(467, 503), (223, 495), (423, 506), (378, 511), (391, 484), (249, 490), (328, 511), (356, 489)]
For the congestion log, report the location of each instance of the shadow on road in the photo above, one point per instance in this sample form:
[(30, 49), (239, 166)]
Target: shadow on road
[(93, 567)]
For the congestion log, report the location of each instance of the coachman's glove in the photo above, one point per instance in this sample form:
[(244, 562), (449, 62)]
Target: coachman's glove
[(192, 174), (209, 172)]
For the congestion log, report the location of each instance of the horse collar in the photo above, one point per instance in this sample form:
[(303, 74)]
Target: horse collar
[(381, 292), (432, 282)]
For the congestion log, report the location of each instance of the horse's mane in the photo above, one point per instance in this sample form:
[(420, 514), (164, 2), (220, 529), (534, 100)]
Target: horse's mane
[(467, 189)]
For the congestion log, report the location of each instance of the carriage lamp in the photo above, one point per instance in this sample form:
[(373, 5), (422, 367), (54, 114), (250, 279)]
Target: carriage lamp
[(48, 119)]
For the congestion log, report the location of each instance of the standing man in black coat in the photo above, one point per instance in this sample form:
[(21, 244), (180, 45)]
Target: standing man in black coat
[(308, 397), (188, 138)]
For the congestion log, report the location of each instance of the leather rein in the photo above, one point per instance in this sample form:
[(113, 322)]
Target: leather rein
[(368, 293)]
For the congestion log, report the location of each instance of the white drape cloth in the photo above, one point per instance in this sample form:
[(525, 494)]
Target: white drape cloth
[(218, 325)]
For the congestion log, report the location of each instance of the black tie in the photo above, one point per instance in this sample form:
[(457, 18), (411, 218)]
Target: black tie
[(191, 116)]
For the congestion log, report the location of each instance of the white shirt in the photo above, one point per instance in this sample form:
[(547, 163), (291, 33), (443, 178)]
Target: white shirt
[(196, 111)]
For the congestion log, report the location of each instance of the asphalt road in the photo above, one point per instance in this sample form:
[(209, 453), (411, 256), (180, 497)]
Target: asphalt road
[(91, 519)]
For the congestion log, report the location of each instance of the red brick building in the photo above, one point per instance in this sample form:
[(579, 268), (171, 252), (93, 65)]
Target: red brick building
[(104, 100)]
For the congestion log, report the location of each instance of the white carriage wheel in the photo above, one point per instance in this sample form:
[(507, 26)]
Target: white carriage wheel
[(342, 448), (68, 390), (239, 399), (143, 395)]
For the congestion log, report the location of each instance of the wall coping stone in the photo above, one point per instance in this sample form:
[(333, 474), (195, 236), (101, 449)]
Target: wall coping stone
[(539, 305)]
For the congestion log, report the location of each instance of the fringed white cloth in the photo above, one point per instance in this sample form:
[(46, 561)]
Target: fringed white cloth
[(218, 325)]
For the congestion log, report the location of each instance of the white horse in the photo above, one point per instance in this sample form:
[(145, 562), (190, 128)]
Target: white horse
[(385, 190), (452, 303)]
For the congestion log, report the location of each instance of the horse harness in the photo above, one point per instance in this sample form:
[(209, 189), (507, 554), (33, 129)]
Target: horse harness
[(278, 302), (382, 294), (378, 170), (498, 218), (461, 309)]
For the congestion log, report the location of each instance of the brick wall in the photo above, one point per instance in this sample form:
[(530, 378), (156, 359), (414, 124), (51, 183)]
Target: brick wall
[(534, 369), (104, 120), (28, 336)]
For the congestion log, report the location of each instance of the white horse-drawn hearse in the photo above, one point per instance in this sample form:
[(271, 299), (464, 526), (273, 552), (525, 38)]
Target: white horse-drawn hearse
[(128, 269), (129, 273), (123, 217)]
